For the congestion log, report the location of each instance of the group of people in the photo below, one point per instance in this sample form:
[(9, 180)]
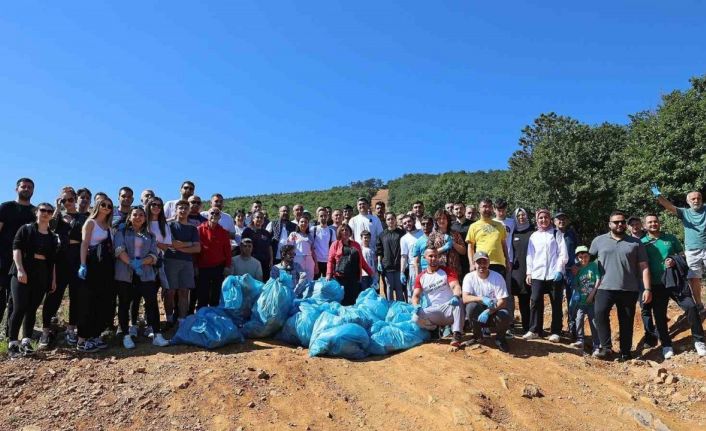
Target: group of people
[(462, 267)]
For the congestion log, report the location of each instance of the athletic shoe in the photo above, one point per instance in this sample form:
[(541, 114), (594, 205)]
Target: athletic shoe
[(13, 351), (509, 335), (149, 332), (70, 337), (624, 357), (86, 346), (159, 341), (26, 347), (651, 340), (133, 331), (446, 332), (700, 348), (501, 342), (128, 343), (577, 344), (485, 332), (601, 353), (99, 343), (44, 340), (456, 339), (667, 352), (530, 336), (554, 338)]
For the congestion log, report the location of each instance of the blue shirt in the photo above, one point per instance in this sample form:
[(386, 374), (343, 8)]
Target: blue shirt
[(694, 222)]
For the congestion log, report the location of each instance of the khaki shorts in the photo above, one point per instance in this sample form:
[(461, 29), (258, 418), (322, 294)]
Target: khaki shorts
[(696, 259)]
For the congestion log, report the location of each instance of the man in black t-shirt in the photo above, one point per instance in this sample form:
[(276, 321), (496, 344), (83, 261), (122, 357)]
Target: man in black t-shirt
[(460, 225), (13, 215)]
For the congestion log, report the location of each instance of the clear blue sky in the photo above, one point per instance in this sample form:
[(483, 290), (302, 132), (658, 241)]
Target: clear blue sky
[(249, 97)]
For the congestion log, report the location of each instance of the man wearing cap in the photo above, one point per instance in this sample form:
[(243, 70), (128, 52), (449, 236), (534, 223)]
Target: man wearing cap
[(663, 252), (486, 299), (635, 227), (244, 263), (567, 235), (694, 221), (489, 236), (365, 221), (443, 292), (622, 261)]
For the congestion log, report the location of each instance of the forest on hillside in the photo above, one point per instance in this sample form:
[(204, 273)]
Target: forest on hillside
[(561, 163)]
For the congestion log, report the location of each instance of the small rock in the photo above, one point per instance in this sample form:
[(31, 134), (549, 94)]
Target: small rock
[(329, 415), (532, 391), (184, 385), (251, 369), (452, 349), (240, 391), (671, 379), (503, 381), (251, 404), (141, 370), (263, 375)]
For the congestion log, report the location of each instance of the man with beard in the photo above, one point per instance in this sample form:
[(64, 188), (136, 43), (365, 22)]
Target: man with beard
[(186, 191), (694, 221), (488, 235), (418, 212), (622, 260), (279, 232), (13, 215), (461, 225), (125, 198), (407, 271), (226, 220)]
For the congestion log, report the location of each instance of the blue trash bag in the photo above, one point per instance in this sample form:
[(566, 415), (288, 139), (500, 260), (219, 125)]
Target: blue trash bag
[(299, 327), (210, 327), (238, 294), (271, 310), (322, 290), (372, 304), (342, 341), (389, 337), (399, 312)]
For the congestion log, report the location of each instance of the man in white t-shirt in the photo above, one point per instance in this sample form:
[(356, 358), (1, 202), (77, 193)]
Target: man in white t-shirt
[(365, 221), (407, 274), (323, 236), (486, 298), (186, 191), (226, 220), (439, 285)]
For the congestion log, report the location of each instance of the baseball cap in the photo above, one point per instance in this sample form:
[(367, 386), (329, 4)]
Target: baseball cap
[(246, 241), (559, 213), (581, 249), (480, 255)]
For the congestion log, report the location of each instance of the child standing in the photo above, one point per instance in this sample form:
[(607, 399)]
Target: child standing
[(369, 256), (585, 285)]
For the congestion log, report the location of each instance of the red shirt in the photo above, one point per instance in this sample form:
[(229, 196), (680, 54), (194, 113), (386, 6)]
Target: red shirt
[(215, 246)]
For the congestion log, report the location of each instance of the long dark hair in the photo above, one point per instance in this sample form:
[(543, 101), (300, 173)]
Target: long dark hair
[(128, 223), (443, 214), (161, 218)]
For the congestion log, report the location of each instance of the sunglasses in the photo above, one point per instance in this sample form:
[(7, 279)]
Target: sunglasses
[(618, 221), (155, 204), (195, 203), (46, 210), (105, 205), (70, 200), (215, 214)]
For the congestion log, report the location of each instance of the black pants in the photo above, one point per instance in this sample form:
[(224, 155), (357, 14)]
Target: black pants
[(322, 268), (351, 290), (660, 301), (648, 321), (66, 276), (26, 298), (556, 295), (5, 296), (129, 293), (625, 303), (96, 299), (208, 289), (501, 318), (525, 313), (500, 269)]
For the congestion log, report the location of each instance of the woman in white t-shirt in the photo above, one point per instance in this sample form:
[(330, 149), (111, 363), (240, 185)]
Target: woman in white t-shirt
[(158, 227), (304, 247), (239, 221)]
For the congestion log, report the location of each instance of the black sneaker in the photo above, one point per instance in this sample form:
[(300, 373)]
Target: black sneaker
[(99, 343), (44, 340), (71, 338), (624, 357), (14, 352), (601, 353), (650, 340), (456, 339), (501, 342), (86, 346), (26, 348)]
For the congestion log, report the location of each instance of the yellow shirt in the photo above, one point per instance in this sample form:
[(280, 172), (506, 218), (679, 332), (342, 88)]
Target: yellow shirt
[(488, 237)]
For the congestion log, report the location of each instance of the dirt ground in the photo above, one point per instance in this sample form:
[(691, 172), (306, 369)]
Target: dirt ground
[(263, 385)]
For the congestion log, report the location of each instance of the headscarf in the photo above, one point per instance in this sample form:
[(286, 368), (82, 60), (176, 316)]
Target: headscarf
[(524, 226), (536, 215)]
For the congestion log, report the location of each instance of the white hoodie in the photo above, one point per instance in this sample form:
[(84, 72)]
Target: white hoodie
[(546, 255)]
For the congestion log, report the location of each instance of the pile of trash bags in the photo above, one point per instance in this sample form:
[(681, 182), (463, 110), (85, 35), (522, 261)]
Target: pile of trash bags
[(311, 316)]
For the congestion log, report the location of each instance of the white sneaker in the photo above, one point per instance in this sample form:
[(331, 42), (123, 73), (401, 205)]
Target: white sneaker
[(149, 332), (667, 352), (159, 341), (577, 344), (133, 331), (128, 343), (700, 348), (530, 336), (554, 338)]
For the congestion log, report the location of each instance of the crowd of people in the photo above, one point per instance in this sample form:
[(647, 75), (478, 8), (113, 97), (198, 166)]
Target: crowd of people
[(464, 268)]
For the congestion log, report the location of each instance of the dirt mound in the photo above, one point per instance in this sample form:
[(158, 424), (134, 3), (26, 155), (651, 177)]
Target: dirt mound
[(268, 386)]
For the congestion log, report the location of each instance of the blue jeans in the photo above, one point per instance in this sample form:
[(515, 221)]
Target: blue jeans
[(583, 311), (569, 291), (393, 286)]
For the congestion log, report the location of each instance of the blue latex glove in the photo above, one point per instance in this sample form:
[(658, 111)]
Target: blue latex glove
[(490, 303), (380, 268), (82, 270), (136, 265), (454, 301), (655, 190), (558, 276), (484, 316), (403, 278)]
